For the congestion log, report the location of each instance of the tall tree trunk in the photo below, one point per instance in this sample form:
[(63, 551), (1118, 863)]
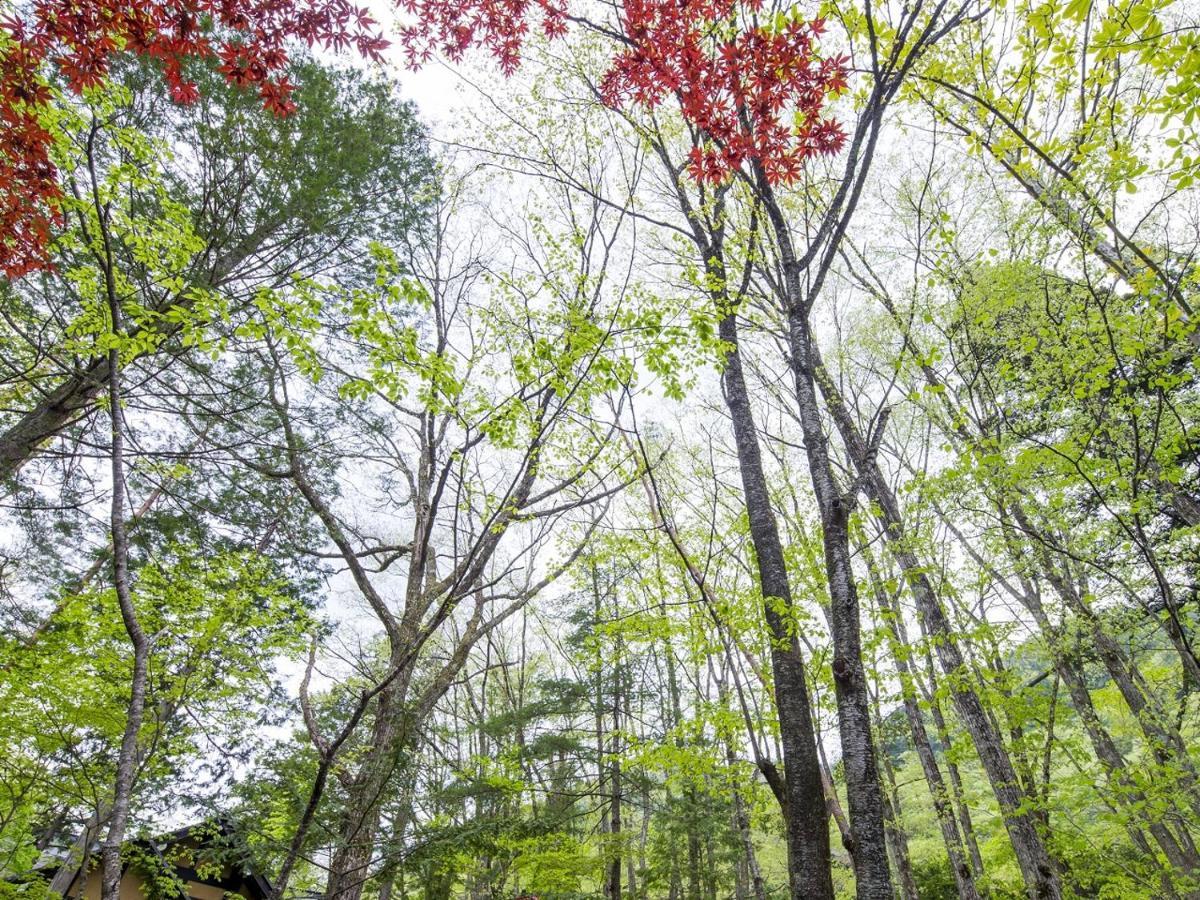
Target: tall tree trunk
[(958, 794), (807, 825), (644, 834), (693, 845), (897, 641), (897, 837), (863, 789), (807, 829), (626, 690), (750, 880), (710, 868), (603, 788), (359, 822), (77, 857), (673, 722), (1038, 869), (110, 849), (612, 882)]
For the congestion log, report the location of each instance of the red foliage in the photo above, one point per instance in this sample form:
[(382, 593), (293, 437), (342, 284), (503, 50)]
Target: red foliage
[(455, 26), (755, 93), (80, 37)]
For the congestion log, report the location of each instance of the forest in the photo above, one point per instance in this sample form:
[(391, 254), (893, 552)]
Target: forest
[(631, 449)]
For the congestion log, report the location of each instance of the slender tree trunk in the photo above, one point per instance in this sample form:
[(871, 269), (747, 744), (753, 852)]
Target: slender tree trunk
[(626, 690), (110, 849), (899, 651), (833, 804), (748, 867), (693, 846), (898, 837), (77, 856), (644, 834), (750, 880), (676, 718), (805, 815), (350, 865), (807, 830), (741, 876), (603, 787), (958, 793), (1038, 869), (710, 868), (864, 792), (612, 886)]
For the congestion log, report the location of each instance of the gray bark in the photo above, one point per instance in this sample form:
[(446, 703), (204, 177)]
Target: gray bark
[(1037, 867), (864, 792), (110, 848), (964, 880), (807, 827)]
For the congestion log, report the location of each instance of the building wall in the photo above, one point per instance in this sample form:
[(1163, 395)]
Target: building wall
[(133, 887)]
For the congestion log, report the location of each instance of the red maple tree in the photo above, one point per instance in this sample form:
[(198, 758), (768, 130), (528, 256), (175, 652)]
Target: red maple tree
[(755, 93)]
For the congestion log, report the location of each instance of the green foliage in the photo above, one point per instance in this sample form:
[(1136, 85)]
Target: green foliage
[(220, 624), (301, 323)]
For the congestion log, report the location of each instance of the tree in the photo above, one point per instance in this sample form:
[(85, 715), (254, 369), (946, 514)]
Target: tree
[(264, 200), (74, 45), (132, 246), (910, 545)]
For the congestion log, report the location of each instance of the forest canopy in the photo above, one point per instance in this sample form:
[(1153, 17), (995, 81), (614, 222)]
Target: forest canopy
[(681, 449)]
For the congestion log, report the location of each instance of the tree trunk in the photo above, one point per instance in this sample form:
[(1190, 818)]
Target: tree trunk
[(1125, 791), (750, 880), (693, 846), (77, 857), (898, 649), (897, 837), (398, 719), (958, 793), (864, 792), (110, 849), (630, 868), (805, 815), (612, 884), (359, 827), (1038, 869)]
